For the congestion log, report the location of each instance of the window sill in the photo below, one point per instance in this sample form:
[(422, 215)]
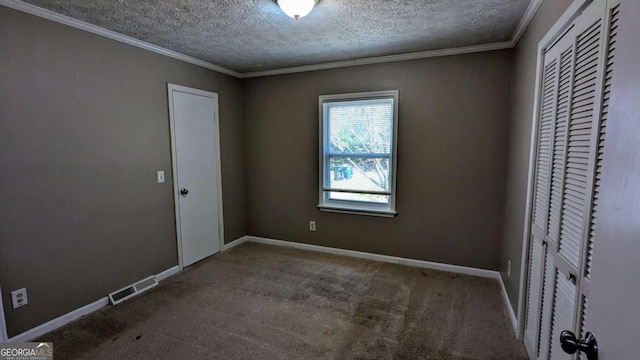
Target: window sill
[(358, 211)]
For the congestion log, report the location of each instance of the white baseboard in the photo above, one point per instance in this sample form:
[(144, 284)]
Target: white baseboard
[(384, 258), (60, 321), (234, 243), (169, 272), (507, 303), (74, 315)]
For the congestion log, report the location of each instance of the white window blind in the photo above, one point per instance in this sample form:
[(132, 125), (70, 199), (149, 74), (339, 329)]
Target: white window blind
[(357, 150)]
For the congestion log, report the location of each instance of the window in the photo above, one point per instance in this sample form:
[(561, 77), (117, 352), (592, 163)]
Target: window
[(358, 135)]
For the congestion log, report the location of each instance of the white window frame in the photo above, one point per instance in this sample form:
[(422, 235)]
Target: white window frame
[(351, 206)]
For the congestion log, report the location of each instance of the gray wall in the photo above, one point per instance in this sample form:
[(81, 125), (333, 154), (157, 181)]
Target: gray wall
[(522, 93), (452, 145), (83, 128)]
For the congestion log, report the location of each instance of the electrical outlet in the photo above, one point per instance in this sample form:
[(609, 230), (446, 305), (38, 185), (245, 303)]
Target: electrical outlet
[(160, 177), (312, 225), (19, 298), (509, 268)]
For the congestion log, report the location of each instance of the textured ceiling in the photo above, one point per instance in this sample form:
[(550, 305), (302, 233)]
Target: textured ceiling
[(254, 35)]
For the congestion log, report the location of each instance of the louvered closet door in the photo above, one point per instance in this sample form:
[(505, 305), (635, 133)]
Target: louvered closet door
[(607, 69), (541, 199), (563, 51), (571, 113), (578, 175), (553, 120)]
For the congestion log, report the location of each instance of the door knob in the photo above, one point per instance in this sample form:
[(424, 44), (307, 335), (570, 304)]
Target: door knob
[(184, 192), (588, 346)]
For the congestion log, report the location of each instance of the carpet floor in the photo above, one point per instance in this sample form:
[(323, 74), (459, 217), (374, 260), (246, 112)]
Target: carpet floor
[(265, 302)]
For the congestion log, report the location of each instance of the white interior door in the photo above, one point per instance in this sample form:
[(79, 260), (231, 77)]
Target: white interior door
[(196, 160)]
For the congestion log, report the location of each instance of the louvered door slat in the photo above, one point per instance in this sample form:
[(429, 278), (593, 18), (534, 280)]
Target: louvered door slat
[(575, 168), (572, 227), (583, 96), (570, 212), (584, 90), (573, 177), (571, 230), (578, 142), (589, 69), (580, 131), (586, 58), (580, 122), (576, 152), (579, 158), (574, 190), (584, 65)]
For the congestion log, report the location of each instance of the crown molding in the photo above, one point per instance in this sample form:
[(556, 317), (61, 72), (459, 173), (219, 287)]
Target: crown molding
[(382, 59), (533, 7), (66, 20), (531, 11), (528, 15)]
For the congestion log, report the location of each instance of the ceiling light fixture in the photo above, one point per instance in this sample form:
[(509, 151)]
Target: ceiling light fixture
[(296, 8)]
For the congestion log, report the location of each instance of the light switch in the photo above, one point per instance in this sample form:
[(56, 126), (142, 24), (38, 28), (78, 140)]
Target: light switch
[(160, 176)]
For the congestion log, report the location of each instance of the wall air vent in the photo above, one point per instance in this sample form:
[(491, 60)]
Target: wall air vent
[(132, 290)]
